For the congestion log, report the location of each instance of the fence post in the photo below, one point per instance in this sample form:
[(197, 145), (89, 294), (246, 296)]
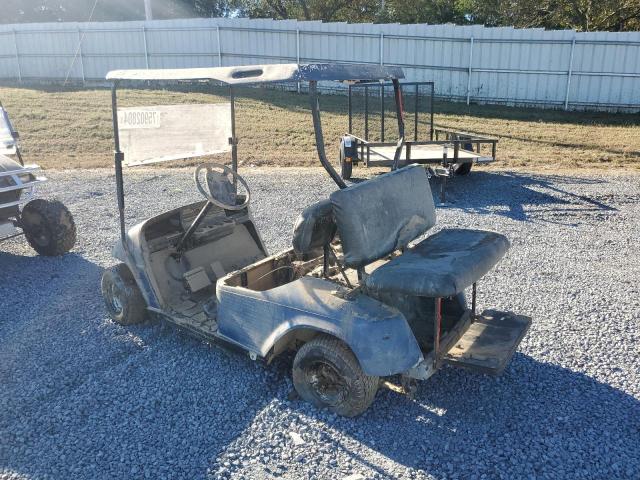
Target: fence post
[(298, 51), (381, 48), (569, 72), (470, 70), (15, 45), (80, 55), (219, 46), (146, 47)]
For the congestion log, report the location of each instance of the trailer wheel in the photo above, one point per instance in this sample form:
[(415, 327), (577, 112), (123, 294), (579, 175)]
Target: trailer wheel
[(327, 374), (122, 297), (345, 167), (48, 226), (462, 168)]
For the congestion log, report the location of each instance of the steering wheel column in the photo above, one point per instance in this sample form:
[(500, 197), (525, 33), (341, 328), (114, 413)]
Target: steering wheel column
[(212, 181)]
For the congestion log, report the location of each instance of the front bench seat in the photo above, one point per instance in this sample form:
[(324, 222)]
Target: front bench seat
[(442, 265), (384, 214)]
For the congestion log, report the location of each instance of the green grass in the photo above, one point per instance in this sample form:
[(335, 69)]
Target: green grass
[(69, 128)]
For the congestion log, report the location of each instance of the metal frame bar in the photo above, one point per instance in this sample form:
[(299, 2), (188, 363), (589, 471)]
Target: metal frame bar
[(381, 86), (397, 93), (118, 157), (342, 34), (233, 139), (470, 70), (381, 112), (317, 128), (366, 112), (17, 55), (431, 125), (415, 115), (569, 73), (437, 327)]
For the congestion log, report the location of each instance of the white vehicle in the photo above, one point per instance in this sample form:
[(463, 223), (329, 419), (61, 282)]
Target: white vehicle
[(47, 224)]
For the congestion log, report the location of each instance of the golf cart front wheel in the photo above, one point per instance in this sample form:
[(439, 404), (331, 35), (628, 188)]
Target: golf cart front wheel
[(122, 297), (462, 168), (327, 374), (48, 227)]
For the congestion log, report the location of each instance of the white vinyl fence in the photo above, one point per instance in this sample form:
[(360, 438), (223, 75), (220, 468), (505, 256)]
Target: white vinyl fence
[(565, 69)]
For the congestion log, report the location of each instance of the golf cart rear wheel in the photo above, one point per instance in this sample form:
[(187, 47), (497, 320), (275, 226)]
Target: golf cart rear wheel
[(122, 297), (48, 226), (327, 374), (462, 168), (345, 167)]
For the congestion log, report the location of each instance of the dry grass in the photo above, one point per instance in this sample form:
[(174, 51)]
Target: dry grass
[(69, 128)]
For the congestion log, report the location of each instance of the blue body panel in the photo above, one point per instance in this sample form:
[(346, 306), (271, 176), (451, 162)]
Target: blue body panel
[(378, 335)]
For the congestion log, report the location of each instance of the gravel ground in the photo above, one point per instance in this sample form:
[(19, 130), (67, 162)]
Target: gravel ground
[(84, 398)]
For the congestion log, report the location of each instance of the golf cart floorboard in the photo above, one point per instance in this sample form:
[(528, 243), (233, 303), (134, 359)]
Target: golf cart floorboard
[(489, 343)]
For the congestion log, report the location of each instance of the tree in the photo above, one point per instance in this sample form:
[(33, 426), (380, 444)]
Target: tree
[(428, 11), (582, 15), (19, 11), (327, 10)]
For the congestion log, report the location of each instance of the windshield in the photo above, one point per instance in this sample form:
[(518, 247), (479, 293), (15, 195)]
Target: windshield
[(161, 133)]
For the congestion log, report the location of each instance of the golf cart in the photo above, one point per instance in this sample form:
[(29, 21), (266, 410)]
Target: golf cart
[(47, 224), (358, 297)]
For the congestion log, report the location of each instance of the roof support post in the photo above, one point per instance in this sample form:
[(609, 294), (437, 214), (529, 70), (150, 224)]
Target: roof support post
[(118, 158), (317, 127)]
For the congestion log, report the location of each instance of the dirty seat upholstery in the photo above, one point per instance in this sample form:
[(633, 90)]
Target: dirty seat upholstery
[(385, 214)]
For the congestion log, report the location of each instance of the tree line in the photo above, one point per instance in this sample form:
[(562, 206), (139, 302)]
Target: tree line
[(582, 15)]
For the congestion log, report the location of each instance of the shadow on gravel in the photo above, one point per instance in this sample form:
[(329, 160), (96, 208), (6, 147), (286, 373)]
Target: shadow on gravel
[(521, 196), (85, 398), (558, 424)]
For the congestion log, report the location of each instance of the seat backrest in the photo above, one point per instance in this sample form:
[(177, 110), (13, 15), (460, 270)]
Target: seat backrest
[(314, 228), (383, 214)]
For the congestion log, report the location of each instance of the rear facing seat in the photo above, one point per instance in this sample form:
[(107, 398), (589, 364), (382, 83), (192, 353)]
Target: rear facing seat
[(379, 216)]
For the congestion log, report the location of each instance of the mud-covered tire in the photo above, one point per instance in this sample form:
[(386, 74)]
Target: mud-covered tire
[(122, 297), (346, 168), (327, 374), (48, 227), (462, 168)]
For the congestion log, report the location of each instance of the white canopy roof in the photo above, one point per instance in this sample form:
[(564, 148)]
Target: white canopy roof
[(265, 73)]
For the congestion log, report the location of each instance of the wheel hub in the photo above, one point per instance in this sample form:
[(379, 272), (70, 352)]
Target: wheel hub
[(327, 383)]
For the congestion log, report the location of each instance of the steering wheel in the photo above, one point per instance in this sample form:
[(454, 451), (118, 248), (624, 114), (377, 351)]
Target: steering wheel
[(218, 189)]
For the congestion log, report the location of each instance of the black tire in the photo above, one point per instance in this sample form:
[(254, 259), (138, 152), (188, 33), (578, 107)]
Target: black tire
[(462, 168), (122, 297), (48, 226), (345, 167), (327, 374)]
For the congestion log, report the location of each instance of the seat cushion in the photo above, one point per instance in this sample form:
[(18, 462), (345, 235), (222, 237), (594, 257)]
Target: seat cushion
[(442, 265), (314, 228), (383, 214)]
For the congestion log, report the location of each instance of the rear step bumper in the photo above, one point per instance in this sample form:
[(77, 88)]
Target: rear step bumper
[(489, 343)]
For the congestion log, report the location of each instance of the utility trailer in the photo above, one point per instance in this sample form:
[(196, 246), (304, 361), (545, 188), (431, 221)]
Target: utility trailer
[(445, 152), (351, 297)]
